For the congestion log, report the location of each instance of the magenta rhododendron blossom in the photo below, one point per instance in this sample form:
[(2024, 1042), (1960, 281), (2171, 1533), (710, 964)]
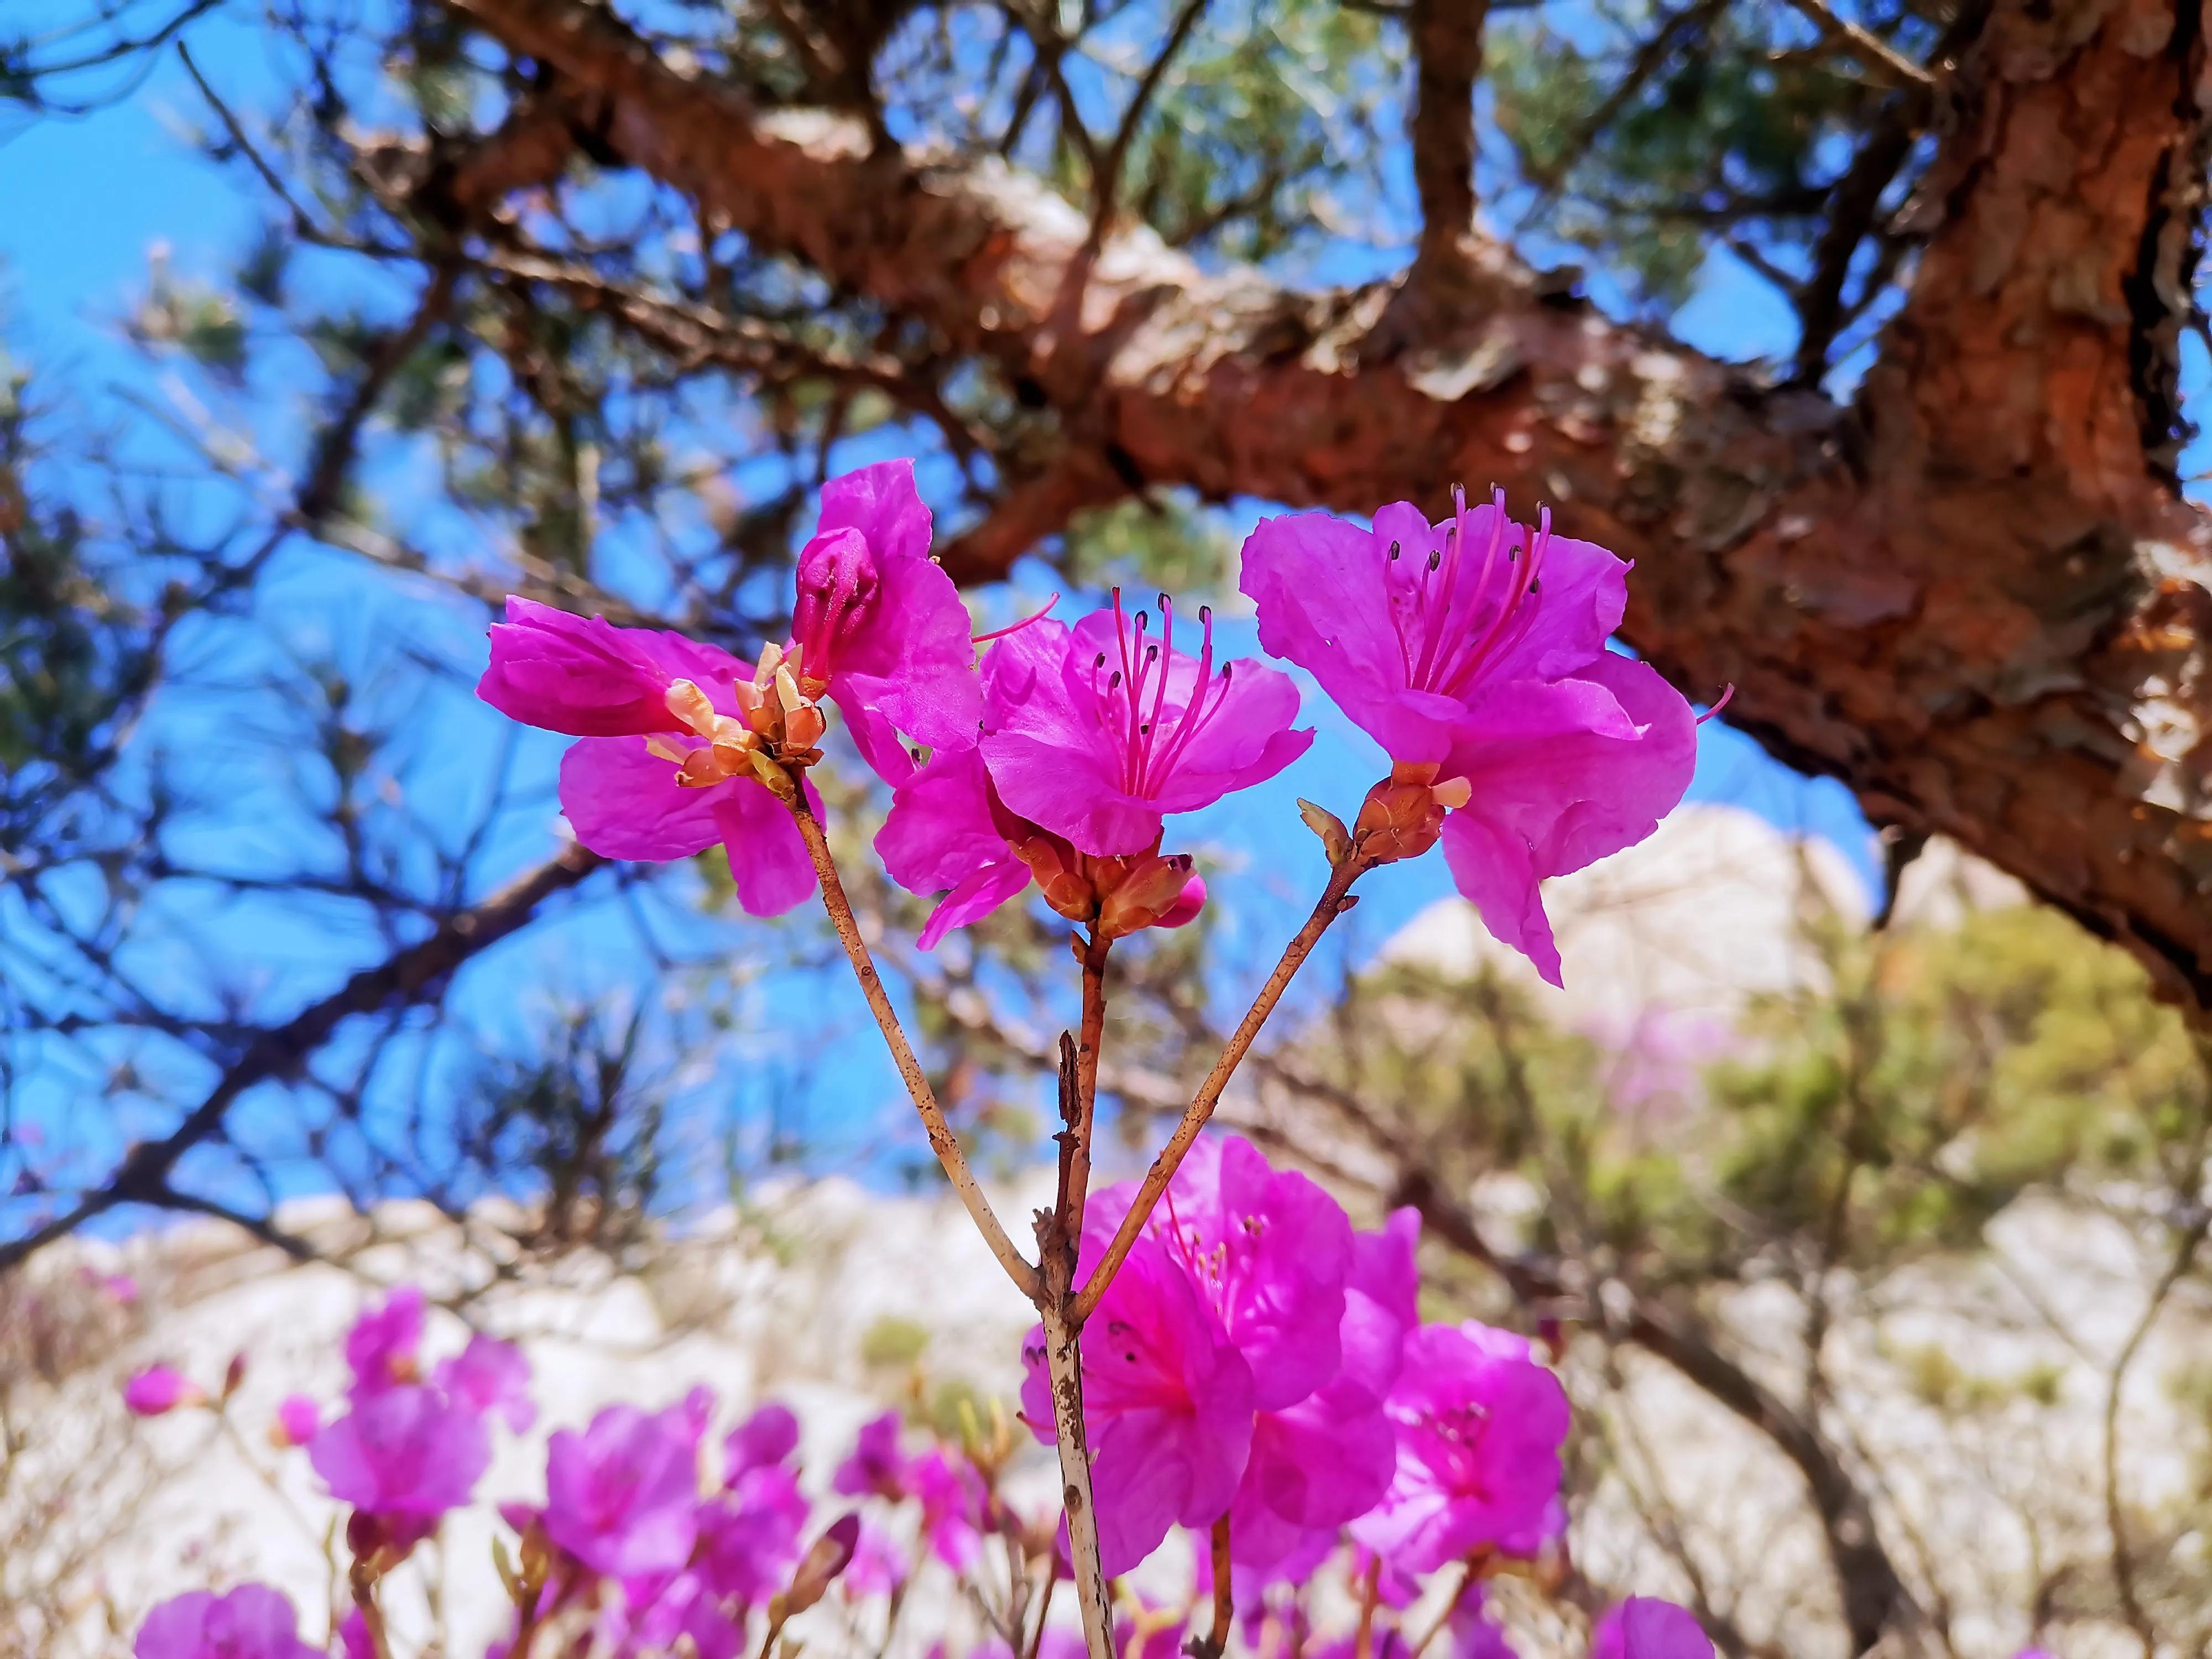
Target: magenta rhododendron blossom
[(160, 1389), (653, 1614), (1477, 646), (1167, 1399), (405, 1453), (769, 1436), (621, 1497), (942, 836), (252, 1622), (876, 1465), (1098, 731), (878, 1566), (491, 1378), (1480, 1423), (1644, 1627), (1327, 1459), (953, 1501), (298, 1419), (749, 1538), (1268, 1250), (1473, 1635), (385, 1343), (649, 781), (949, 833), (878, 628), (1228, 1314)]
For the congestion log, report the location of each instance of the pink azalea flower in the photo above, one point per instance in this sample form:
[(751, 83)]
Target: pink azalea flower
[(948, 829), (878, 1567), (160, 1389), (1098, 731), (654, 1613), (1644, 1627), (1267, 1249), (878, 629), (876, 1465), (1473, 1634), (252, 1622), (384, 1345), (1479, 1424), (750, 1536), (953, 1501), (769, 1436), (1477, 648), (621, 1497), (489, 1377), (1231, 1307), (298, 1420), (1327, 1459), (655, 775), (1167, 1401), (405, 1454)]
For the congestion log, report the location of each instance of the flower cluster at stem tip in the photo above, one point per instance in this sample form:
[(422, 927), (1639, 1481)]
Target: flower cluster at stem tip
[(1473, 650), (1254, 1372), (1260, 1362)]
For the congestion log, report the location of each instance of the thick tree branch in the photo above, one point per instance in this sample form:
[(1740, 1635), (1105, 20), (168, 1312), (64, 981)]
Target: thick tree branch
[(1973, 597), (1448, 54)]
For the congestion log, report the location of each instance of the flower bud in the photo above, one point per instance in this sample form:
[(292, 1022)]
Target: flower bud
[(158, 1390), (830, 1555), (1404, 814), (769, 773), (1146, 891), (1060, 874), (1335, 839), (298, 1420)]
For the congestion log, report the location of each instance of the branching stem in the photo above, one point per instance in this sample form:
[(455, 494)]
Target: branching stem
[(1335, 901)]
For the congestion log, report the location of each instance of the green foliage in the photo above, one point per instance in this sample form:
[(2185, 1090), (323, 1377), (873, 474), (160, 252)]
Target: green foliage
[(1273, 117), (893, 1343), (1169, 543), (1661, 132)]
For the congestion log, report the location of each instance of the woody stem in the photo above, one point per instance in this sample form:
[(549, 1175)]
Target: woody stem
[(1058, 1235), (1335, 901), (1224, 1602), (941, 1140)]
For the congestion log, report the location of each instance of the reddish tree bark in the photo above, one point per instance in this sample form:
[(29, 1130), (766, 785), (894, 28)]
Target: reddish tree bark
[(1976, 594)]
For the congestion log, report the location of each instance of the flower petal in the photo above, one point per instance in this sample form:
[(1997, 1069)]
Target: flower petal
[(624, 802), (940, 831), (1495, 870), (584, 676), (767, 855), (913, 657), (1319, 584), (974, 898), (881, 502)]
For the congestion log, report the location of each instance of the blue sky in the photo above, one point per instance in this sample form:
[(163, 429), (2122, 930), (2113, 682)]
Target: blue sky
[(87, 199)]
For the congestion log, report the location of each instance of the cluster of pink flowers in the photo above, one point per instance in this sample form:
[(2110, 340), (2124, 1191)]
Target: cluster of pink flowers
[(1258, 1361), (1473, 650), (1256, 1372)]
